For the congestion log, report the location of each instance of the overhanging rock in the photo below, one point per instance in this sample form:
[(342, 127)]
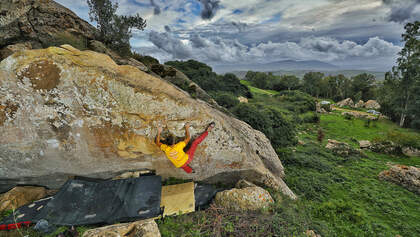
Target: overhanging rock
[(77, 112)]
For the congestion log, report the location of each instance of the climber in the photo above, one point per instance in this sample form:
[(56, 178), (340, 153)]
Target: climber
[(175, 152)]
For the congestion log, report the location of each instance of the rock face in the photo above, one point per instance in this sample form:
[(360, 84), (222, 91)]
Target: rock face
[(346, 102), (144, 228), (20, 196), (39, 22), (65, 111), (406, 176), (372, 104), (244, 199)]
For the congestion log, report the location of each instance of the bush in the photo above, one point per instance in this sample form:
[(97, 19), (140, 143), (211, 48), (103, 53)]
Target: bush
[(270, 121), (225, 99), (78, 42), (403, 139), (145, 59), (310, 117), (301, 102)]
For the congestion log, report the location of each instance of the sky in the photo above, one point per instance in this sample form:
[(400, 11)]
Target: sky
[(351, 34)]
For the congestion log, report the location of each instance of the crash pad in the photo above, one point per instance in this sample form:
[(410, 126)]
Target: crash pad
[(82, 202), (178, 199)]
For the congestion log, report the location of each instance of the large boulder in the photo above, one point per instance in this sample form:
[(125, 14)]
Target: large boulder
[(346, 102), (406, 176), (372, 104), (244, 199), (20, 196), (411, 151), (359, 104), (39, 22), (341, 148), (70, 112), (143, 228)]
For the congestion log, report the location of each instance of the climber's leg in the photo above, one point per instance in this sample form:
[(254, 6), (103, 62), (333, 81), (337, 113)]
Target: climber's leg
[(194, 145), (187, 169)]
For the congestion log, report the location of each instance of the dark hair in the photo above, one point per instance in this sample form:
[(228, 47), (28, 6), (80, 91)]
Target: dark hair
[(170, 140)]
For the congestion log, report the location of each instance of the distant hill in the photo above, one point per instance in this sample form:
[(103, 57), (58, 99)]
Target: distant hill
[(380, 76), (275, 66)]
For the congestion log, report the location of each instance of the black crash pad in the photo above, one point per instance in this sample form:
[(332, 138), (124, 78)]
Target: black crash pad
[(81, 202)]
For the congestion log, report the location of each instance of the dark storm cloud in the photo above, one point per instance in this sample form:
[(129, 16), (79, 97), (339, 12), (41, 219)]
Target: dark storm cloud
[(167, 28), (168, 43), (210, 8), (240, 26), (197, 41), (157, 8), (403, 10)]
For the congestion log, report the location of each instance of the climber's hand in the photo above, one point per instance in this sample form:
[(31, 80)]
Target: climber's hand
[(159, 128), (187, 125)]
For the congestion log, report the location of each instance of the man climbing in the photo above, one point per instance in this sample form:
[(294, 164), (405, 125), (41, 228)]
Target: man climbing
[(175, 152)]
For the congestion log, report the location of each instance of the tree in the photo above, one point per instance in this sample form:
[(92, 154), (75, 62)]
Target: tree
[(365, 84), (404, 81), (290, 81), (312, 83), (114, 30)]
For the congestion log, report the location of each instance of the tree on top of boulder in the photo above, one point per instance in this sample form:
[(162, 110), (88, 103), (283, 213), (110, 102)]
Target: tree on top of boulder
[(114, 30)]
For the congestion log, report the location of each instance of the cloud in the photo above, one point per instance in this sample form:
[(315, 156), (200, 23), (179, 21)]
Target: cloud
[(403, 10), (156, 10), (167, 28), (210, 8), (168, 43)]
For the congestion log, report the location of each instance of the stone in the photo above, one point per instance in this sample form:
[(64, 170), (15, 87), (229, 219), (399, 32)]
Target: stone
[(346, 102), (386, 147), (20, 196), (244, 184), (341, 148), (39, 22), (11, 49), (244, 199), (372, 104), (359, 104), (242, 99), (82, 114), (364, 144), (411, 152), (311, 233), (406, 176), (143, 228)]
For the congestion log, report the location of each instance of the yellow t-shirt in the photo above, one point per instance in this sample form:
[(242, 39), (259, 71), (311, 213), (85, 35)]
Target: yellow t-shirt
[(175, 153)]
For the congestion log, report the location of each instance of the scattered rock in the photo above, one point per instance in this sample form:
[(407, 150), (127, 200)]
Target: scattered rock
[(346, 102), (93, 116), (242, 99), (364, 144), (11, 49), (410, 151), (244, 199), (360, 104), (244, 184), (341, 148), (311, 233), (372, 104), (386, 147), (356, 114), (406, 176), (20, 196), (143, 228)]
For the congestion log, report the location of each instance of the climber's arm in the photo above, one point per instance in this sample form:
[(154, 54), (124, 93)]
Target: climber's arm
[(187, 133), (157, 141)]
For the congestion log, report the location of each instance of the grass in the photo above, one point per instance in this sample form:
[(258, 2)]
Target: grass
[(257, 91)]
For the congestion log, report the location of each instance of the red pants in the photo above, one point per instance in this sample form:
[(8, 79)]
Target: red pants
[(191, 151)]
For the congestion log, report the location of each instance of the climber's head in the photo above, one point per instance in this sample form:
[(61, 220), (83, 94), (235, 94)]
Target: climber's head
[(170, 140)]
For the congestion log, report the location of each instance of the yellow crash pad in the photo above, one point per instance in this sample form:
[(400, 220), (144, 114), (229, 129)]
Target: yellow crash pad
[(178, 199)]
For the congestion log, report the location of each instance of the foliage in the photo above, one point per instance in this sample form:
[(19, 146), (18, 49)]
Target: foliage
[(61, 38), (145, 59), (225, 99), (363, 87), (312, 83), (302, 102), (114, 30), (310, 117), (208, 80), (400, 93), (268, 120), (403, 139)]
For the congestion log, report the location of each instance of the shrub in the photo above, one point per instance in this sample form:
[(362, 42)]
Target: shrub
[(145, 59), (403, 139), (225, 99), (310, 117), (79, 42), (301, 102)]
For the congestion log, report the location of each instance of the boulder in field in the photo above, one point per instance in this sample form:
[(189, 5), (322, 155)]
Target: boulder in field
[(244, 199), (364, 144), (346, 102), (65, 111), (341, 148), (372, 104), (406, 176), (410, 151), (359, 104)]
